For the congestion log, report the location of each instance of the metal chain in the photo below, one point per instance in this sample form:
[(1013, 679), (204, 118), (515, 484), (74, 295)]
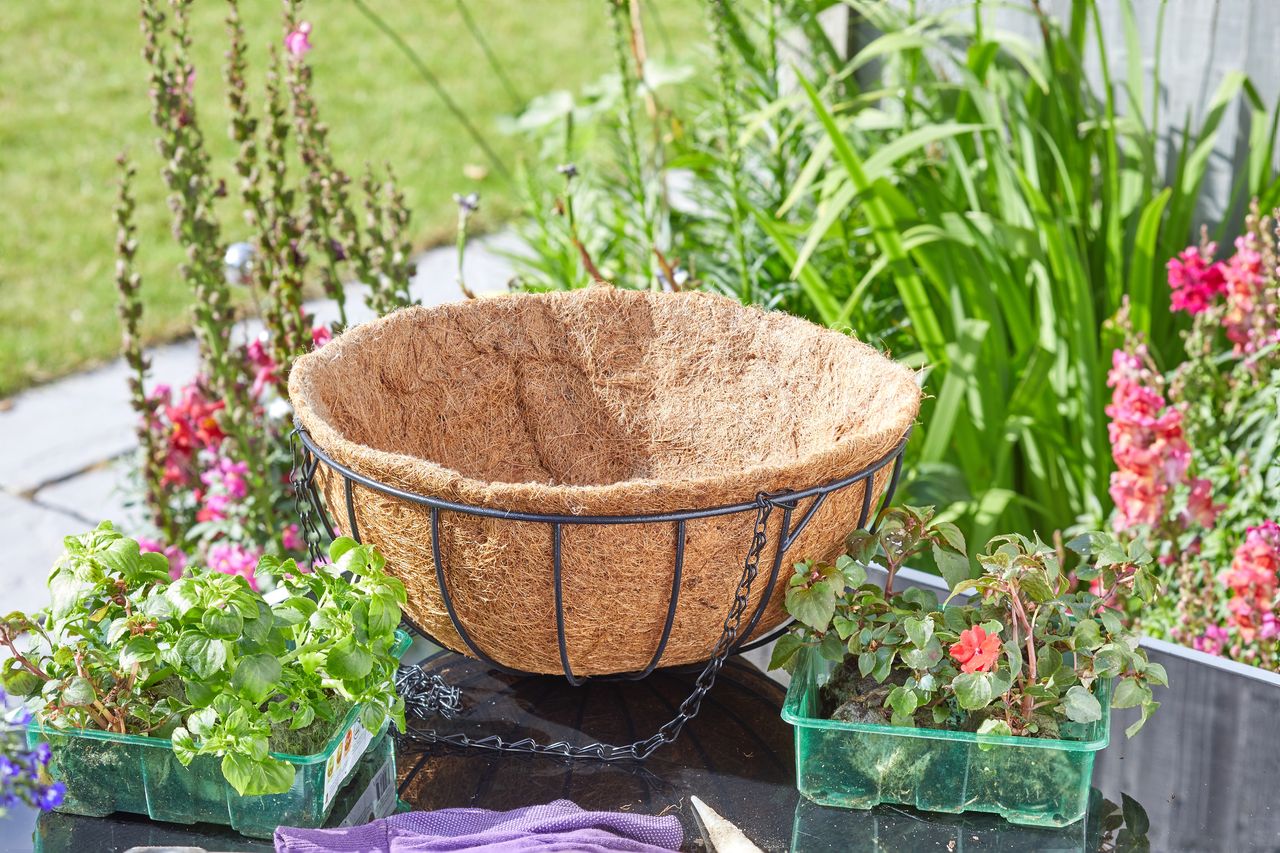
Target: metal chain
[(688, 708), (302, 479)]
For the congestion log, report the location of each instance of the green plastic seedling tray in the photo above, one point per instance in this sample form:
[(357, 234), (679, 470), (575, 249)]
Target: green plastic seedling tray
[(141, 775), (1032, 781)]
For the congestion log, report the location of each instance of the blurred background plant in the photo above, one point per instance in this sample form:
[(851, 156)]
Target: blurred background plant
[(1198, 478), (966, 199), (214, 460)]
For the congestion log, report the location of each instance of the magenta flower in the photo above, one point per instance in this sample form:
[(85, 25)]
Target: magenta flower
[(320, 336), (232, 559), (298, 42), (1195, 280), (291, 539), (1212, 641)]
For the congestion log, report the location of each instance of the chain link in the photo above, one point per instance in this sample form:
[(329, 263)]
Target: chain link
[(305, 498)]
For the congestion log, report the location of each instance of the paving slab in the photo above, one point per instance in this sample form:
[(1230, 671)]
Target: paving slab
[(33, 541), (94, 496)]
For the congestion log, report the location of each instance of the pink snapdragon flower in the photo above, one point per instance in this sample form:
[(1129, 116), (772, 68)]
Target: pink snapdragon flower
[(1250, 321), (227, 483), (1253, 578), (233, 559), (1147, 443), (298, 42), (1195, 280), (1200, 506), (265, 369), (320, 336)]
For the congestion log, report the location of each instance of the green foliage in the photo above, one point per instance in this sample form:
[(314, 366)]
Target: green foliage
[(971, 201), (1021, 657), (204, 660)]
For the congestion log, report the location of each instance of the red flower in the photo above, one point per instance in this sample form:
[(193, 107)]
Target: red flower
[(977, 650)]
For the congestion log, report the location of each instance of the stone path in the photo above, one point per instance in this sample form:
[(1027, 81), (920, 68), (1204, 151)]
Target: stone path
[(60, 470)]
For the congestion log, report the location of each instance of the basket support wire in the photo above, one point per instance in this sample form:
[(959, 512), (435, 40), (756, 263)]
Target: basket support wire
[(310, 507)]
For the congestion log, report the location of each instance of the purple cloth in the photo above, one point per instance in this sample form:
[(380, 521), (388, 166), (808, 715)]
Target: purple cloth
[(558, 826)]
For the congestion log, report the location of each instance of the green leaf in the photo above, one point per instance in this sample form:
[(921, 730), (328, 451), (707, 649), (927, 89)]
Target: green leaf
[(1111, 621), (372, 716), (1086, 635), (258, 628), (256, 677), (184, 745), (1155, 674), (1081, 706), (852, 570), (1048, 661), (926, 658), (182, 594), (17, 681), (295, 610), (121, 557), (138, 650), (1035, 585), (866, 663), (348, 661), (973, 690), (919, 631), (1135, 816), (340, 546), (384, 615), (1148, 708), (992, 727), (203, 654), (785, 651), (202, 721), (78, 692), (226, 624), (903, 702), (814, 606), (199, 694), (255, 778), (1109, 660), (1130, 693)]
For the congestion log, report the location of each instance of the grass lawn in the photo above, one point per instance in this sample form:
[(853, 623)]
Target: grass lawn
[(74, 95)]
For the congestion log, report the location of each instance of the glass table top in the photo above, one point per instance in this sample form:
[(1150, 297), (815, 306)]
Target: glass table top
[(1202, 776)]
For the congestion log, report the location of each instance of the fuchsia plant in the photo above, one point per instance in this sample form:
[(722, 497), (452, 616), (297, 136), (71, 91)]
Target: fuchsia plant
[(1197, 478)]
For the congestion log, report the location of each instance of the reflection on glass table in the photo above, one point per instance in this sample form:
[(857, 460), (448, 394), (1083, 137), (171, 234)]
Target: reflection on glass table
[(1204, 769)]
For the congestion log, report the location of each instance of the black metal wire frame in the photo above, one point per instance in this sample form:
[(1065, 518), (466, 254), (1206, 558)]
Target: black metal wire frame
[(310, 505), (787, 501)]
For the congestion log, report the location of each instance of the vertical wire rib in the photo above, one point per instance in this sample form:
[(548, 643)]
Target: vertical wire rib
[(868, 486), (557, 574), (767, 593), (893, 485), (672, 601), (352, 527), (448, 602), (313, 495)]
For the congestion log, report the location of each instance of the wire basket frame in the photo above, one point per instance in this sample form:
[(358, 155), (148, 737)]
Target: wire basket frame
[(308, 456)]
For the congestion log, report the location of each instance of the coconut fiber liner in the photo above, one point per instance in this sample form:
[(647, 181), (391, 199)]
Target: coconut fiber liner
[(595, 402)]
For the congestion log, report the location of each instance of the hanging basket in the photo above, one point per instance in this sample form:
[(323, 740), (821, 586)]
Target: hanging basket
[(569, 482)]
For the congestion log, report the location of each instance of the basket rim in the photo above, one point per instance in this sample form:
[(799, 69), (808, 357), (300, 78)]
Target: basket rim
[(631, 496)]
